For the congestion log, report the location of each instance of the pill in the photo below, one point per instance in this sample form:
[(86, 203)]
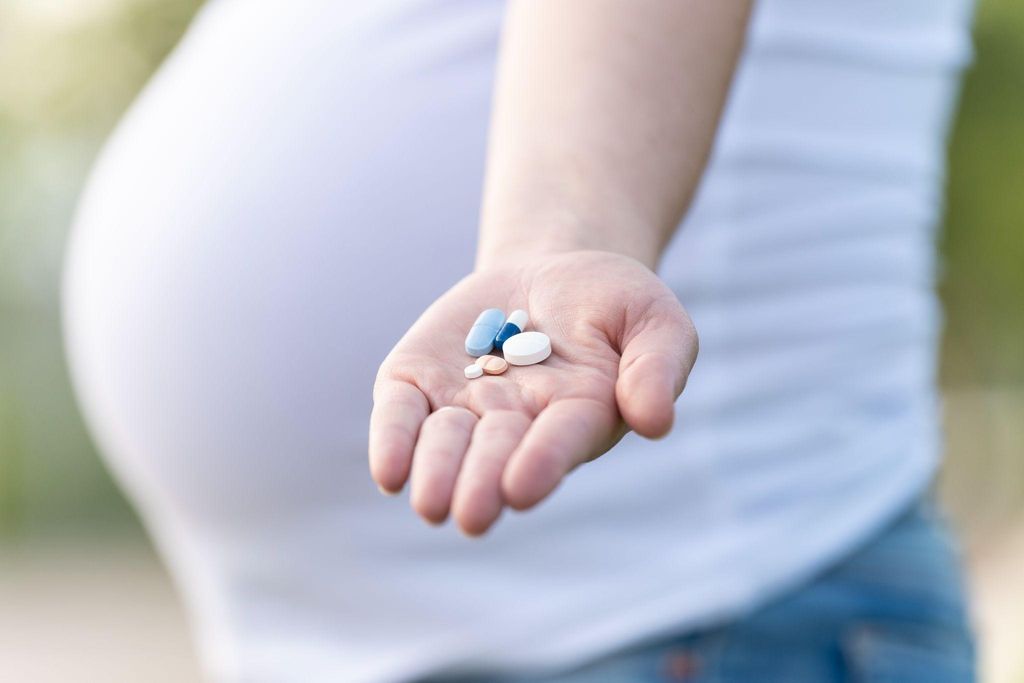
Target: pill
[(480, 339), (473, 371), (515, 324), (492, 365), (527, 348)]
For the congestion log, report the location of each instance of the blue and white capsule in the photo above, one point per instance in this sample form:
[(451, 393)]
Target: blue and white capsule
[(515, 324), (480, 339)]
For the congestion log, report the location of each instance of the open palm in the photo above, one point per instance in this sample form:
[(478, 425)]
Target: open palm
[(622, 347)]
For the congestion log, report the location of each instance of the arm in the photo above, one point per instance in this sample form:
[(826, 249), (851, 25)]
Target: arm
[(604, 115), (603, 119)]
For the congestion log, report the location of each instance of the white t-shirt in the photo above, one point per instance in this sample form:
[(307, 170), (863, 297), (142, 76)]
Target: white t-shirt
[(299, 171)]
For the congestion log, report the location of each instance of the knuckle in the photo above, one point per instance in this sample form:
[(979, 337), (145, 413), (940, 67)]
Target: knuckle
[(452, 417)]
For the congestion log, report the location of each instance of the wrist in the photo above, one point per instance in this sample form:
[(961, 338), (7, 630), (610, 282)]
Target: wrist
[(515, 242)]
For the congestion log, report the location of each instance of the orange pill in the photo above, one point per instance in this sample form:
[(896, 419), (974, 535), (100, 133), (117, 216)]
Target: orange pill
[(492, 365)]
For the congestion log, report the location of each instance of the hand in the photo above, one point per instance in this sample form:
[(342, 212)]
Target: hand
[(622, 347)]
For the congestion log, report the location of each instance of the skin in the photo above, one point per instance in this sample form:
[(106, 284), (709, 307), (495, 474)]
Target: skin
[(604, 116)]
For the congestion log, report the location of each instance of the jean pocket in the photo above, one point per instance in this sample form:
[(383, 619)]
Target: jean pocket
[(881, 652)]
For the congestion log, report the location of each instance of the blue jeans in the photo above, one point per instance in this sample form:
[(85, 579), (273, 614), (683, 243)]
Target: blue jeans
[(893, 611)]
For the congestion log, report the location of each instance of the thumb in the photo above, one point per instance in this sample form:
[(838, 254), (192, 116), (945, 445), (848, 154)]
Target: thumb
[(658, 352)]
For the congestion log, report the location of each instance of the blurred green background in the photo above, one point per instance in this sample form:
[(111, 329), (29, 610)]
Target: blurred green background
[(68, 69), (67, 72)]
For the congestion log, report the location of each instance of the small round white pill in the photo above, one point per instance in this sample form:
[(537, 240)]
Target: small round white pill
[(527, 348), (473, 371)]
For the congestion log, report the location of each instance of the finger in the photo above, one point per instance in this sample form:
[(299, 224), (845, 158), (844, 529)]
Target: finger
[(477, 502), (653, 369), (398, 410), (565, 434), (442, 443)]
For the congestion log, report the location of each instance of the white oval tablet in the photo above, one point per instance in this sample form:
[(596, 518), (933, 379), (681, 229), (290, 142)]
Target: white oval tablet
[(527, 348), (473, 371)]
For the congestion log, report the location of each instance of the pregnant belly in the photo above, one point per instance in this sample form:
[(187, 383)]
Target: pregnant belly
[(249, 247)]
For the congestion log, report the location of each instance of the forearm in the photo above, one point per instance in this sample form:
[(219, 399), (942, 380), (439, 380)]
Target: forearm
[(604, 115)]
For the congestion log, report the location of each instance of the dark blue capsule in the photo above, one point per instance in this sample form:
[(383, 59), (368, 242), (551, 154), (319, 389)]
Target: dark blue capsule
[(513, 326)]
